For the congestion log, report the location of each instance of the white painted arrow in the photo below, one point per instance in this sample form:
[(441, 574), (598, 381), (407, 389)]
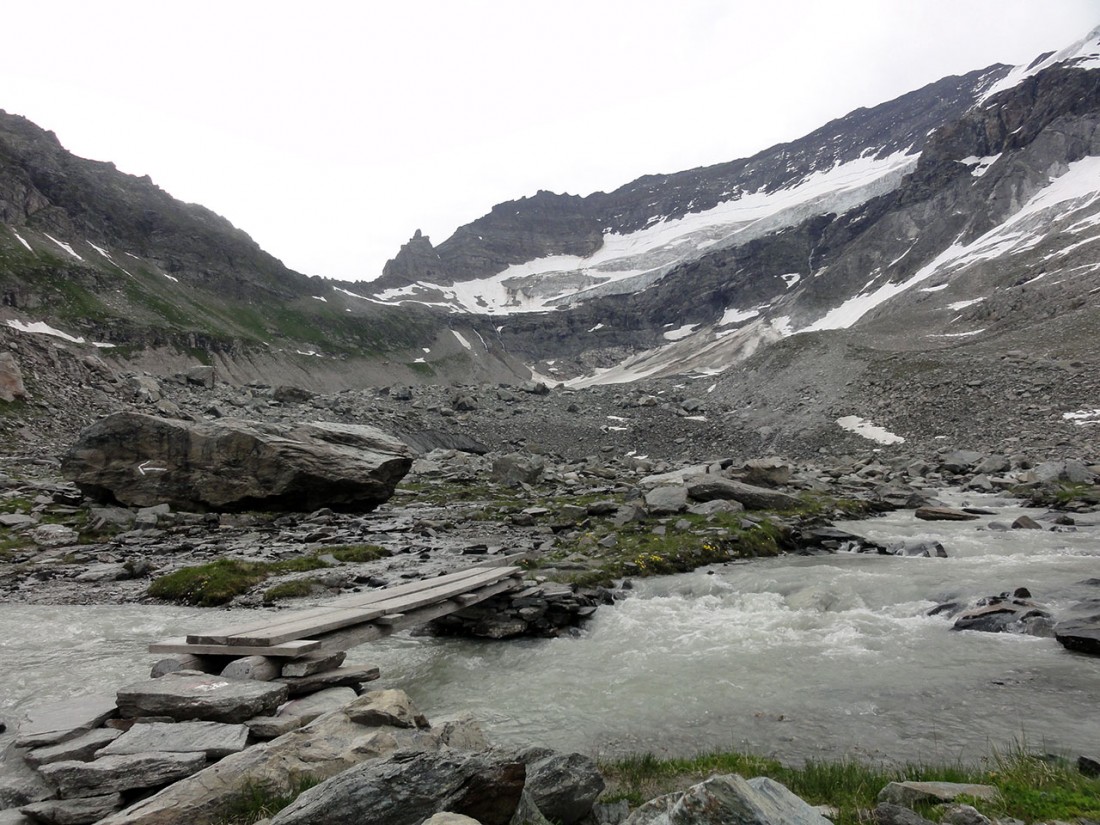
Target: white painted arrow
[(144, 468)]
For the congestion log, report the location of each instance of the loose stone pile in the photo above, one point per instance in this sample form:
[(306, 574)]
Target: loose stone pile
[(189, 746)]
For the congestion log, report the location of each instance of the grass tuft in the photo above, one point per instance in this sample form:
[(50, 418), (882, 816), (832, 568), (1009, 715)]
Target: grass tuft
[(209, 585), (1031, 788), (256, 803), (356, 553), (297, 589)]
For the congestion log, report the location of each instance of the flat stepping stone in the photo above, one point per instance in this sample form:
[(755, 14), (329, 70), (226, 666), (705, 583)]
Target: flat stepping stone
[(214, 739), (211, 698), (340, 677), (61, 721), (314, 663), (82, 748), (120, 773)]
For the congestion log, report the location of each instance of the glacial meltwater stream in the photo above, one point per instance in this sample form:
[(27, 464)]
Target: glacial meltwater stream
[(793, 657)]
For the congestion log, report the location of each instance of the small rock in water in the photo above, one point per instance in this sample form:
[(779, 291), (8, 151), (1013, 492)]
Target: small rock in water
[(943, 514), (1026, 523)]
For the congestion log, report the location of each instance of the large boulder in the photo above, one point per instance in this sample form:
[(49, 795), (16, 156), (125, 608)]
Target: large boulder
[(563, 787), (231, 464), (712, 487), (325, 747), (722, 800), (407, 789), (11, 379)]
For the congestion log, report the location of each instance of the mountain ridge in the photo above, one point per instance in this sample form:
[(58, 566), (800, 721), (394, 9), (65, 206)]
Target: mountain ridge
[(930, 235)]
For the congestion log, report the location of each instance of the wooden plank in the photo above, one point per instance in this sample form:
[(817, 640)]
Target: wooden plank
[(242, 629), (360, 634), (293, 627), (296, 628), (389, 618), (221, 635), (372, 596), (288, 650)]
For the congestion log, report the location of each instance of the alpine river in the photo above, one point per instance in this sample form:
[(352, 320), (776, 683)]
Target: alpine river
[(793, 657)]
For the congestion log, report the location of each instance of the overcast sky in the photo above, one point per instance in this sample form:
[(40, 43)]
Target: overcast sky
[(330, 131)]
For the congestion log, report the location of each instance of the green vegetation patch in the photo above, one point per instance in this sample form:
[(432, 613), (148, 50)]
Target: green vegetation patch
[(208, 585), (357, 553), (1032, 788), (300, 588), (688, 542), (1059, 496), (256, 803)]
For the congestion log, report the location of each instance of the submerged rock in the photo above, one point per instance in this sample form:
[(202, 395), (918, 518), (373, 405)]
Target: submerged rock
[(1079, 635), (1008, 613)]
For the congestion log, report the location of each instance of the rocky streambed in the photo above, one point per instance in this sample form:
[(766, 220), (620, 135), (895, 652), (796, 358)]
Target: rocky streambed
[(786, 627)]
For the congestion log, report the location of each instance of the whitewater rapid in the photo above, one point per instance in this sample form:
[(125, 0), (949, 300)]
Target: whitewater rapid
[(795, 657)]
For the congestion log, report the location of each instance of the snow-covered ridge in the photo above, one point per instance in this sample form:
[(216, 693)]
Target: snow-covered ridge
[(1084, 54), (1077, 189), (630, 262)]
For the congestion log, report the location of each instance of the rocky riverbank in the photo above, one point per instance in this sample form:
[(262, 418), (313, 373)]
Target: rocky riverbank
[(587, 514)]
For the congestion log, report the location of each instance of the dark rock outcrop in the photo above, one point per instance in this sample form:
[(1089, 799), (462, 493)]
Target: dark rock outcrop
[(403, 790), (233, 465)]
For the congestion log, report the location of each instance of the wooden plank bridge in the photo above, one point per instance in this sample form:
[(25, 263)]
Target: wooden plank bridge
[(351, 620)]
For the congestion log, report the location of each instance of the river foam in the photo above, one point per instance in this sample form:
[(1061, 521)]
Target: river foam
[(794, 657)]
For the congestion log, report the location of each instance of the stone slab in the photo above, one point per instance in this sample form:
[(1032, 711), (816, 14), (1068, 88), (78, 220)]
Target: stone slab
[(211, 698), (74, 811), (82, 748), (214, 739), (272, 727), (340, 677), (314, 663), (310, 707), (60, 721), (120, 773)]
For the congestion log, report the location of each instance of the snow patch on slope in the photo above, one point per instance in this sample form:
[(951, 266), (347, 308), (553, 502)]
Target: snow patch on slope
[(19, 238), (42, 328), (64, 246), (863, 427), (1076, 189)]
